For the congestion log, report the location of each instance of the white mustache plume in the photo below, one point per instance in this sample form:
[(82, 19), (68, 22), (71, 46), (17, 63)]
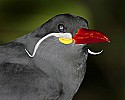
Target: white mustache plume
[(62, 35)]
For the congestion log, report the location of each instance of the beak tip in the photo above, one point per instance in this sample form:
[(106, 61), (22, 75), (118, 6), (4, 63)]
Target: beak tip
[(107, 40)]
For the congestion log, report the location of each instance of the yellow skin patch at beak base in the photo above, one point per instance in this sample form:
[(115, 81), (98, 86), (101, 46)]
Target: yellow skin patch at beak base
[(66, 40)]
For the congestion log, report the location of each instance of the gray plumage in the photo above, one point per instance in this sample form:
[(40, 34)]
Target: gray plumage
[(54, 73)]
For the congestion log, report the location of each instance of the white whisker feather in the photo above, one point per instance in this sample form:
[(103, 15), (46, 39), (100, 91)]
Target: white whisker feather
[(63, 35), (94, 53)]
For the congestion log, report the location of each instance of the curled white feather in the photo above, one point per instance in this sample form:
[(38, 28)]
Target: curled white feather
[(94, 53), (63, 35)]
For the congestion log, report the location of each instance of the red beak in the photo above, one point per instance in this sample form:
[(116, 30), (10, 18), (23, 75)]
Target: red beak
[(87, 36)]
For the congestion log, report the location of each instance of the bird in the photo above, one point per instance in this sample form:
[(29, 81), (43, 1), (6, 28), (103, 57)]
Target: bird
[(48, 63)]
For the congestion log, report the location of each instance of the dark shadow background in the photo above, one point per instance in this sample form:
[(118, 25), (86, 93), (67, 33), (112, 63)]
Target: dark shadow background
[(105, 77)]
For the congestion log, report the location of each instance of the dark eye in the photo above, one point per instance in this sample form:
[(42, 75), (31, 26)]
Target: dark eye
[(61, 27)]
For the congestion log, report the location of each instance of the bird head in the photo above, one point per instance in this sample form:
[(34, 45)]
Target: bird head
[(68, 30)]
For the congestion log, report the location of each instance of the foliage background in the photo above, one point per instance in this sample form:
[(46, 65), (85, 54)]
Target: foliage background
[(104, 79)]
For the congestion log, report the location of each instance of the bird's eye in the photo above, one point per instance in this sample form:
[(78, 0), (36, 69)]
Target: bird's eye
[(61, 27)]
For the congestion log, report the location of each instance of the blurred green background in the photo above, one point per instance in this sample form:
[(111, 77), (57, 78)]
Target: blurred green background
[(105, 77)]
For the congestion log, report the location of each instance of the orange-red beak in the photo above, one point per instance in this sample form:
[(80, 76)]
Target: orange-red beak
[(87, 36)]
